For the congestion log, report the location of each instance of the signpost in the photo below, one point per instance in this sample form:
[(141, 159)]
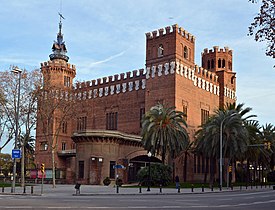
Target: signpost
[(16, 153)]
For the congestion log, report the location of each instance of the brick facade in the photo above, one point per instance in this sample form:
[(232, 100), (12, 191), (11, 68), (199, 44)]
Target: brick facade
[(106, 124)]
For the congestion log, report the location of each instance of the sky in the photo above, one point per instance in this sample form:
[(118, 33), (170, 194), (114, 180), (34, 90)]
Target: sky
[(107, 37)]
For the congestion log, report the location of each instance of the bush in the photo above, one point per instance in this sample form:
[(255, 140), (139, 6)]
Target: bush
[(160, 174), (106, 181)]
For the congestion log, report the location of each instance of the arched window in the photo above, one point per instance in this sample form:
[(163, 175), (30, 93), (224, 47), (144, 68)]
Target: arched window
[(223, 63), (185, 52), (208, 64), (160, 50), (229, 65), (212, 64), (219, 63)]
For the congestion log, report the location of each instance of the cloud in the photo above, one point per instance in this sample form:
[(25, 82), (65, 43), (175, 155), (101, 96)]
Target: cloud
[(93, 64)]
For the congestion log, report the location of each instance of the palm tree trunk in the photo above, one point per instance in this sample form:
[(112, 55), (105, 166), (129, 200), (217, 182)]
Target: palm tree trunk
[(185, 167)]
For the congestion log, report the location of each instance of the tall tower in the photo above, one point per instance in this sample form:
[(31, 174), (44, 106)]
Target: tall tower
[(219, 61), (165, 49), (53, 127)]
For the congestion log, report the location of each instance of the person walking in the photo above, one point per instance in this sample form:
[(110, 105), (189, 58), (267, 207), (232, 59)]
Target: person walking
[(177, 180)]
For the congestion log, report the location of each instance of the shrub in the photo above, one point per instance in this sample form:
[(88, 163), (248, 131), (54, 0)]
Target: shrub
[(160, 174), (106, 181)]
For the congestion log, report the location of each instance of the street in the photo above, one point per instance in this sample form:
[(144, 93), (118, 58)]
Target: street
[(246, 199)]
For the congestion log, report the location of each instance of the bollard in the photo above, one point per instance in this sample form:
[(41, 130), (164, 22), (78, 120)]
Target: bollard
[(256, 186), (240, 187), (220, 188), (231, 186), (3, 189), (212, 188), (264, 185), (246, 186), (160, 188), (192, 187), (202, 188), (139, 188), (179, 189), (31, 189), (24, 190), (117, 189), (261, 185), (251, 185)]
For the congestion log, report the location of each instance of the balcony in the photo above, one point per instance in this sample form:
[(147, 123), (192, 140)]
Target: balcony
[(67, 153)]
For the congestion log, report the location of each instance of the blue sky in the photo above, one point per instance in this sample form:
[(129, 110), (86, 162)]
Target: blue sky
[(105, 37)]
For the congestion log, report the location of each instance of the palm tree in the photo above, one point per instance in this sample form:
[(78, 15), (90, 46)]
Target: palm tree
[(164, 130), (268, 136), (235, 135)]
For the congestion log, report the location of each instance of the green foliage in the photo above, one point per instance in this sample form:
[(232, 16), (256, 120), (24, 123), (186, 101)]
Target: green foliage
[(6, 163), (164, 130), (106, 181), (160, 174)]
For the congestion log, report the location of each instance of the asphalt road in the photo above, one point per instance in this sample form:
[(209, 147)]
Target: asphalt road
[(225, 200)]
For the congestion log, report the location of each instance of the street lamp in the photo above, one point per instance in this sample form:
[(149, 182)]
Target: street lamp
[(221, 141), (18, 71), (149, 175)]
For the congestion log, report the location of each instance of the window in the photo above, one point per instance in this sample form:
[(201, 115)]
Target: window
[(141, 113), (212, 64), (81, 123), (184, 110), (67, 81), (208, 64), (63, 146), (43, 146), (81, 169), (112, 170), (204, 116), (223, 63), (64, 127), (219, 63), (160, 50), (185, 52), (111, 121)]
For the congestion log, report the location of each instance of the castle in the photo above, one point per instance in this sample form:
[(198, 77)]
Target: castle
[(105, 128)]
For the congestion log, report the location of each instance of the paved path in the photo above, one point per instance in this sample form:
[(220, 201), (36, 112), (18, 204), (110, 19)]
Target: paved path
[(90, 190)]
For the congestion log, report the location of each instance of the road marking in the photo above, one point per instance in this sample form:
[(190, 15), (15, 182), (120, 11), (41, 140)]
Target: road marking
[(225, 199)]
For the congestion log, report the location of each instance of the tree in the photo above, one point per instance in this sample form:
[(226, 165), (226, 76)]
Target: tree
[(164, 130), (263, 27), (30, 80), (235, 134), (55, 107), (6, 164)]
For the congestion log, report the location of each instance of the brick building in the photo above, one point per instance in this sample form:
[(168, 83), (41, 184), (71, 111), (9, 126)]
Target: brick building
[(106, 124)]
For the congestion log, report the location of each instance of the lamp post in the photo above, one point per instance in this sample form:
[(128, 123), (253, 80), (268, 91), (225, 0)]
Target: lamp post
[(18, 71), (149, 175), (221, 142)]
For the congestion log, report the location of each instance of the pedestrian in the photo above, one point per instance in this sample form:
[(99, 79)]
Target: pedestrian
[(177, 180)]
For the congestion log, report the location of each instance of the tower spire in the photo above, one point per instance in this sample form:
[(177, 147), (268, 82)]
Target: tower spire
[(59, 48)]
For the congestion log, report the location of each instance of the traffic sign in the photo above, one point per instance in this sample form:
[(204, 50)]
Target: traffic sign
[(118, 166), (16, 153)]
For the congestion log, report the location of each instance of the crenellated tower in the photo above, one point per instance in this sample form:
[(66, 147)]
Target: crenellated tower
[(165, 48), (58, 77), (219, 61)]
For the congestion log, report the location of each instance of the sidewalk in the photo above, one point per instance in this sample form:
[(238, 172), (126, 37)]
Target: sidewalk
[(92, 190)]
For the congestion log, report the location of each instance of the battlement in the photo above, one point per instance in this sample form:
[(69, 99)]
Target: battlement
[(169, 30), (117, 78), (59, 63), (217, 49)]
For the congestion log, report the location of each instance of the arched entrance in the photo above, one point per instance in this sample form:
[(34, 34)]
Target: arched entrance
[(137, 163)]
